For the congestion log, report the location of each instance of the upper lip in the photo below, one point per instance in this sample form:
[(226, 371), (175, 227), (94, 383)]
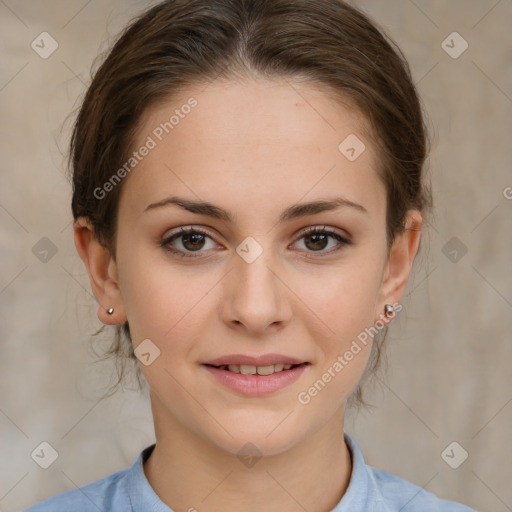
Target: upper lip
[(263, 360)]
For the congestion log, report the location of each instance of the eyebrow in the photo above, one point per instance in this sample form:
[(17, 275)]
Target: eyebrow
[(291, 213)]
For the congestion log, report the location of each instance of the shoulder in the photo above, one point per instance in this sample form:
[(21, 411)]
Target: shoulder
[(404, 495), (109, 493), (375, 490)]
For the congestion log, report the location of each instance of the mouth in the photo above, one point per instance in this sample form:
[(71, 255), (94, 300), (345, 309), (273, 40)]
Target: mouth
[(257, 376), (246, 369)]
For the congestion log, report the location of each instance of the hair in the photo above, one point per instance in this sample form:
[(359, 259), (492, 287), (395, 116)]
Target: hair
[(180, 43)]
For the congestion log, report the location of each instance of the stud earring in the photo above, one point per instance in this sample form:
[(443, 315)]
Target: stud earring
[(389, 310), (110, 311)]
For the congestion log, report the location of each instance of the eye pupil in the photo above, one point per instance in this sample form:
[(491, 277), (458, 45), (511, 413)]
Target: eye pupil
[(193, 238), (315, 238)]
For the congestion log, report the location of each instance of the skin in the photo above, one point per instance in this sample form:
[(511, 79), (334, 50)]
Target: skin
[(253, 148)]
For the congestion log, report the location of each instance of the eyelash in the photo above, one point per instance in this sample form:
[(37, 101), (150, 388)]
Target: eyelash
[(314, 230)]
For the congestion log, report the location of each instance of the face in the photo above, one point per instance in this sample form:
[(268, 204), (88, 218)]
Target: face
[(248, 280)]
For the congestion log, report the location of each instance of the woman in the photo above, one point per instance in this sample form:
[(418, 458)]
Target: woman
[(248, 196)]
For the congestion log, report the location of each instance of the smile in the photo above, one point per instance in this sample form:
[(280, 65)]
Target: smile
[(246, 369), (251, 380)]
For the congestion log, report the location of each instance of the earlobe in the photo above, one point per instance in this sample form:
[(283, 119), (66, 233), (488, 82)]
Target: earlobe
[(401, 258), (102, 272)]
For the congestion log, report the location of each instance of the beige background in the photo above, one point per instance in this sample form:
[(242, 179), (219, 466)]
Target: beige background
[(449, 376)]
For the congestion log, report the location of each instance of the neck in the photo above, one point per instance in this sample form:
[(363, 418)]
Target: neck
[(188, 472)]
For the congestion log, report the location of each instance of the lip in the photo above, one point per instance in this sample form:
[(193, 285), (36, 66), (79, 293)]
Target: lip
[(262, 360), (256, 385)]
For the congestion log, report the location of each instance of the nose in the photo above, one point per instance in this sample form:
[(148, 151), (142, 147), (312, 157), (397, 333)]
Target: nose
[(256, 297)]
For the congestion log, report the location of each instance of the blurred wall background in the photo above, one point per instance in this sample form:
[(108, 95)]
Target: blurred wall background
[(449, 351)]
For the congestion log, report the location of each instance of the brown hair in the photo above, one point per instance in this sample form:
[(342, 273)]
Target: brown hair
[(178, 43)]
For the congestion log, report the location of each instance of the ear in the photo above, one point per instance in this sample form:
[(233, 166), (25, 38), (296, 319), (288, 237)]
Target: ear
[(102, 270), (399, 264)]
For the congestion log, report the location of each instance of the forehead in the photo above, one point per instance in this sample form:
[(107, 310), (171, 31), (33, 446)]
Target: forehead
[(262, 141)]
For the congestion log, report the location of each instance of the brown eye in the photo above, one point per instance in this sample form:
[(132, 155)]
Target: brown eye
[(192, 240), (317, 240)]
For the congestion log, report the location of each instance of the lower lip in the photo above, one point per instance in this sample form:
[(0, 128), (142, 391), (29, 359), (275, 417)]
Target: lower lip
[(256, 385)]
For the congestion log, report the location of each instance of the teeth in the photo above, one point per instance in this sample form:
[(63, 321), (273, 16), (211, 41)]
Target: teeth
[(265, 370), (246, 369)]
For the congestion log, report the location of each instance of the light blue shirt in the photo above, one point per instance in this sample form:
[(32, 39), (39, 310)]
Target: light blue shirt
[(369, 490)]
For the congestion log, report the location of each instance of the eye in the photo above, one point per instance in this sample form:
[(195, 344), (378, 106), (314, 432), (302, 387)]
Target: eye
[(317, 238), (191, 240)]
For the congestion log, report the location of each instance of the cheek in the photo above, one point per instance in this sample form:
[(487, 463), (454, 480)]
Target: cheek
[(146, 292), (339, 308), (342, 298), (162, 300), (344, 304)]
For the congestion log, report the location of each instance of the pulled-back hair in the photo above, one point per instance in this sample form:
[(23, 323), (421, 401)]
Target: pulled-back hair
[(178, 43)]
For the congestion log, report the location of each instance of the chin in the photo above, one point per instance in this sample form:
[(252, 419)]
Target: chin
[(257, 435), (243, 446)]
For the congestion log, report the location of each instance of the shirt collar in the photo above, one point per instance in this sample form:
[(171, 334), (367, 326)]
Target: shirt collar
[(356, 496), (361, 490), (141, 494)]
